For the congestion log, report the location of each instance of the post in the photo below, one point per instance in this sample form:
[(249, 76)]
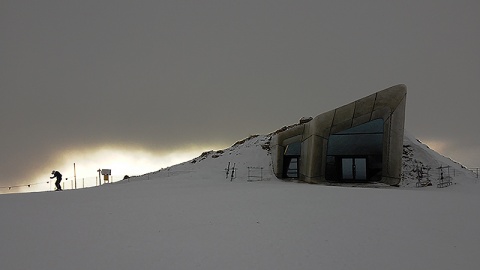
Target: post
[(227, 170), (75, 175), (99, 177)]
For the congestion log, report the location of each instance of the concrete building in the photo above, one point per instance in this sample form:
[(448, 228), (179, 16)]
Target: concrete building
[(359, 142)]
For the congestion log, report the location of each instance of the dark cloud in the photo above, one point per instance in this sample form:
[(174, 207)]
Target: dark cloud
[(161, 75)]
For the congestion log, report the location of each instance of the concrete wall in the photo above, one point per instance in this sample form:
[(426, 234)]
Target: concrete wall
[(388, 104)]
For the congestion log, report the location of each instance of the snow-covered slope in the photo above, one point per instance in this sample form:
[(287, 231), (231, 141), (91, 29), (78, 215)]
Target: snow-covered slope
[(249, 158), (252, 153), (419, 161), (194, 216)]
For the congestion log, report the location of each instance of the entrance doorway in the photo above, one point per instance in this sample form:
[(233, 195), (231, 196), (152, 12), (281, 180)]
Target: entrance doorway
[(354, 169), (291, 160), (356, 154), (291, 167)]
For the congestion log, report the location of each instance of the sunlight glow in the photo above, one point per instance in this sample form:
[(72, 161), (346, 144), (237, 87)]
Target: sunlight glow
[(131, 162), (123, 162), (437, 145)]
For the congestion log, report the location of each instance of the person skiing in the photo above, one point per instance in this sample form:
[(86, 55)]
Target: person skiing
[(58, 175)]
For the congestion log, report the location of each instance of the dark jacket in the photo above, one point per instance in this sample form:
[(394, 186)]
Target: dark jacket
[(58, 175)]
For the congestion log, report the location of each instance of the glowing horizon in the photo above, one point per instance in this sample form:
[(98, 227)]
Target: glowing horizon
[(131, 162)]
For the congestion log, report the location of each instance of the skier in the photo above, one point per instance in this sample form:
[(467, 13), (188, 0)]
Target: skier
[(58, 175)]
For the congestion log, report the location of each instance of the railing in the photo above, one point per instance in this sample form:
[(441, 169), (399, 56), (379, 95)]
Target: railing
[(255, 174), (475, 171), (68, 183), (443, 175)]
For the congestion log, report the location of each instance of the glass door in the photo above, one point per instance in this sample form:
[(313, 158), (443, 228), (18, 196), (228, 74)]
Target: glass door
[(347, 169), (354, 169), (360, 168)]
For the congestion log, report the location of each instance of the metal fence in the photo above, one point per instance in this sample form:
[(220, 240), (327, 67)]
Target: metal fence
[(255, 174), (475, 171), (442, 175)]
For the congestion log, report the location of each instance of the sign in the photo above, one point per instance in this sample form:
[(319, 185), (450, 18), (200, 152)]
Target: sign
[(106, 172)]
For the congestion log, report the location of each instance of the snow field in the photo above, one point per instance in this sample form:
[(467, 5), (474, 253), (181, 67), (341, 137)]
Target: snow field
[(190, 217)]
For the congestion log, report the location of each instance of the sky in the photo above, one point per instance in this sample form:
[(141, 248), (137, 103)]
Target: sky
[(139, 85)]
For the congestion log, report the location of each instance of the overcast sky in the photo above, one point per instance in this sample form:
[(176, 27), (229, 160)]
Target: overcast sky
[(164, 76)]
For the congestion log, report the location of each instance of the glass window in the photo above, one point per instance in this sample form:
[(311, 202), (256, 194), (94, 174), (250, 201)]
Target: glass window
[(364, 141), (293, 149), (375, 126), (291, 160)]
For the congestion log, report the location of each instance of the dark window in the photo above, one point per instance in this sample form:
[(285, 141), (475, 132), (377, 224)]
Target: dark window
[(355, 154), (293, 149), (291, 160)]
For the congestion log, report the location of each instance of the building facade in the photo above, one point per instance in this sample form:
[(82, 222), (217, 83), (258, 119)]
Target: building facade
[(358, 142)]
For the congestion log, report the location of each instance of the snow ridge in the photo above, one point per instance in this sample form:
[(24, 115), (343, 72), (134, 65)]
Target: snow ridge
[(420, 164), (251, 152)]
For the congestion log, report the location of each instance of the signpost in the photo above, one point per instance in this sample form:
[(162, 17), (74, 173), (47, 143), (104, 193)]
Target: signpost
[(106, 173)]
